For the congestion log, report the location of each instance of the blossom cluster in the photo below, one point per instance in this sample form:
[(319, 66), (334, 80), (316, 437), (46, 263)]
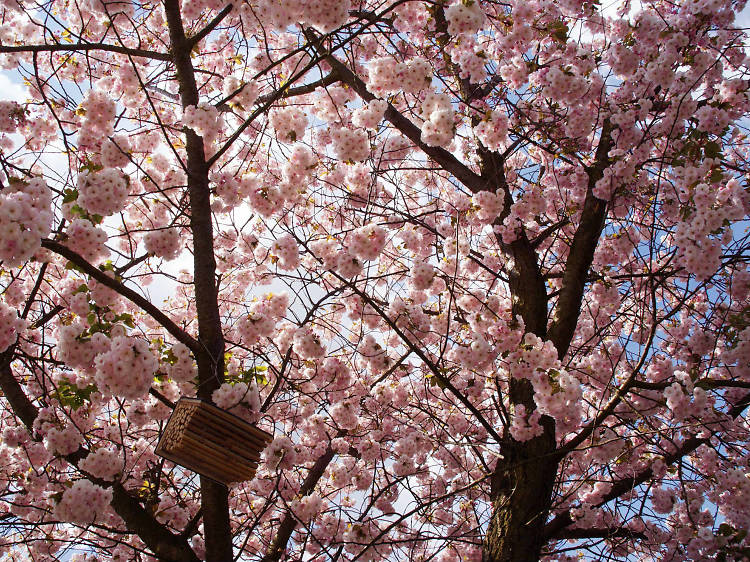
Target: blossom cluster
[(25, 218), (87, 239), (557, 393), (244, 93), (331, 106), (386, 76), (307, 344), (700, 251), (62, 441), (370, 115), (438, 128), (422, 274), (488, 206), (470, 58), (228, 396), (76, 350), (261, 319), (12, 115), (345, 414), (350, 144), (183, 367), (102, 192), (733, 500), (475, 356), (464, 16), (10, 326), (299, 167), (103, 463), (289, 123), (493, 130), (525, 427), (115, 152), (83, 503), (366, 242), (269, 196), (562, 85), (323, 15), (376, 357), (307, 507), (164, 243), (98, 111), (280, 453), (205, 120), (286, 252), (347, 265), (127, 369)]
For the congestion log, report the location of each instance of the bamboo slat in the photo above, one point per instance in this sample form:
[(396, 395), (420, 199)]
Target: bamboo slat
[(231, 418), (230, 441), (220, 418)]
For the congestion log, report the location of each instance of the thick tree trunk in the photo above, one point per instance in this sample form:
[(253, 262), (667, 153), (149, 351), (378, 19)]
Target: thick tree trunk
[(521, 493), (216, 528), (210, 357), (524, 479)]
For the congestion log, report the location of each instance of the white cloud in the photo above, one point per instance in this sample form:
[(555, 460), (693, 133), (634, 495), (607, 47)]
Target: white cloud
[(10, 89)]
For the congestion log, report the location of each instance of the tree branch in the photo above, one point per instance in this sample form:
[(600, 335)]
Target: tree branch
[(198, 37), (288, 524), (162, 542), (618, 533), (210, 356), (473, 181), (568, 307), (554, 528), (85, 47), (79, 261)]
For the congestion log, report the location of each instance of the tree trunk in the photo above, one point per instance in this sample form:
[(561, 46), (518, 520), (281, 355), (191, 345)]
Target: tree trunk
[(523, 481), (522, 486), (216, 526), (217, 530)]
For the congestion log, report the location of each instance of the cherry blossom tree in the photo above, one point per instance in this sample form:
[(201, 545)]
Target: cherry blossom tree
[(480, 267)]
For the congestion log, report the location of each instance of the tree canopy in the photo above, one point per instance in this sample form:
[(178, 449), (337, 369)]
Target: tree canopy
[(480, 267)]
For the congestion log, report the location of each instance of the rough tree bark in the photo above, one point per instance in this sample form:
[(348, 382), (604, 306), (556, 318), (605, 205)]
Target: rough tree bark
[(210, 356), (524, 480)]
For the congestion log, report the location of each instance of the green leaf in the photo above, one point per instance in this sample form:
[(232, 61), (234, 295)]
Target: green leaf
[(78, 210), (438, 381), (71, 396), (169, 357), (558, 30), (716, 176), (127, 319), (83, 288), (70, 195), (712, 149)]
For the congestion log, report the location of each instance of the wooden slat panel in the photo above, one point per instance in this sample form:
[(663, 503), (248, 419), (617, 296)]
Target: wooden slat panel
[(232, 443), (225, 424), (212, 442)]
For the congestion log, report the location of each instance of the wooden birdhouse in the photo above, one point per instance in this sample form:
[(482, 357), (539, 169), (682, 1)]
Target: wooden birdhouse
[(212, 442)]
